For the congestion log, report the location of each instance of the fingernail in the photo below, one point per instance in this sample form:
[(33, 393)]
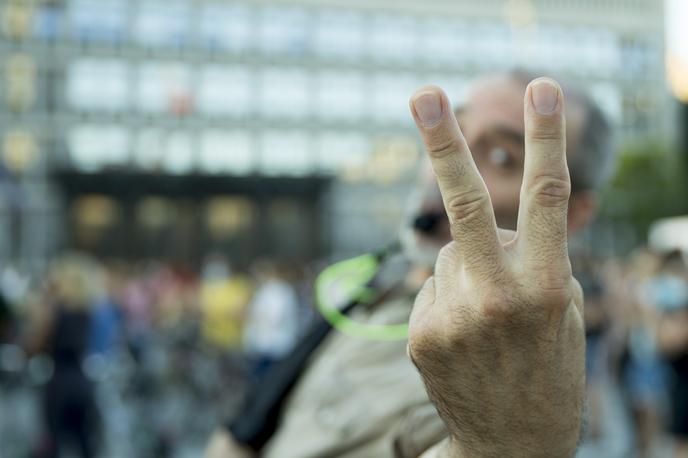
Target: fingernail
[(545, 96), (428, 107)]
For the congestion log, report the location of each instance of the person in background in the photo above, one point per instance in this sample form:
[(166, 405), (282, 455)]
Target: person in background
[(671, 295), (360, 398), (6, 321), (61, 328), (644, 372), (596, 355), (107, 315), (224, 296), (272, 319)]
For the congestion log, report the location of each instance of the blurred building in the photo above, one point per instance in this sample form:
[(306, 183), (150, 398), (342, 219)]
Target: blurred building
[(179, 127)]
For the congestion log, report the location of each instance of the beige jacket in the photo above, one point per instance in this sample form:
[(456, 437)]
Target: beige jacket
[(360, 399)]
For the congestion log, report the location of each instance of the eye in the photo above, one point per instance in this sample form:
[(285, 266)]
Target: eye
[(499, 157)]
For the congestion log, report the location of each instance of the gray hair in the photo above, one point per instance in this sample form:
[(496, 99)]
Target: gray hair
[(591, 163)]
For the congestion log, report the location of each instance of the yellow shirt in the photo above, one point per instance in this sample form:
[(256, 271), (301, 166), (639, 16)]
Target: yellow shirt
[(222, 305)]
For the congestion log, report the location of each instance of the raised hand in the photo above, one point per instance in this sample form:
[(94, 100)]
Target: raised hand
[(497, 334)]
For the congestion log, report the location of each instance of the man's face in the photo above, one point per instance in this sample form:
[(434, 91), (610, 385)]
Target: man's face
[(493, 125)]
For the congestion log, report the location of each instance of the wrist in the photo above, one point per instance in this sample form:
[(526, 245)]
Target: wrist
[(526, 447)]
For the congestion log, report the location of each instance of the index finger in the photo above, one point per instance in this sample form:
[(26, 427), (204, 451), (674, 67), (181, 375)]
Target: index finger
[(464, 194)]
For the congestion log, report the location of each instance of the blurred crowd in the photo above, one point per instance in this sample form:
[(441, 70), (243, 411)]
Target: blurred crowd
[(637, 350), (145, 359), (138, 359)]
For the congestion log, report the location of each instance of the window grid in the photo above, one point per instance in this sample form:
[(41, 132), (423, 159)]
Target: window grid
[(299, 70)]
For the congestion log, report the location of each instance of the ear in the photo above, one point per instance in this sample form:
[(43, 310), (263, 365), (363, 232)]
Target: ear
[(582, 208)]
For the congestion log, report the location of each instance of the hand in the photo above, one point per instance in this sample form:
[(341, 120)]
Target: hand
[(497, 334), (672, 334), (223, 445)]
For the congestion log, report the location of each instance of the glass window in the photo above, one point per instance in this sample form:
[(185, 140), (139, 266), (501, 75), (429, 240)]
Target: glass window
[(492, 47), (21, 82), (149, 148), (284, 152), (227, 215), (98, 20), (93, 147), (339, 34), (164, 87), (549, 44), (608, 52), (284, 93), (163, 23), (338, 151), (20, 150), (610, 99), (637, 58), (607, 56), (179, 157), (158, 149), (394, 38), (468, 32), (390, 94), (226, 27), (225, 90), (95, 210), (155, 213), (590, 46), (290, 228), (454, 86), (226, 152), (340, 95), (446, 32), (578, 50), (284, 31), (98, 84), (394, 159), (48, 23)]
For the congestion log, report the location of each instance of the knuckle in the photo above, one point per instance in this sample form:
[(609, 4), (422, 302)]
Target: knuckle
[(547, 130), (549, 191), (559, 281), (556, 289), (556, 301), (556, 277), (577, 290), (551, 138), (421, 343), (440, 148), (498, 308), (430, 341), (466, 205), (448, 253)]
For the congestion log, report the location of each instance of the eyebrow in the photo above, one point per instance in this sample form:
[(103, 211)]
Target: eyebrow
[(512, 135)]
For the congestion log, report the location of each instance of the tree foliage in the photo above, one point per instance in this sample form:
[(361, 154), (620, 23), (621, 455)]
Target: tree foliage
[(650, 183)]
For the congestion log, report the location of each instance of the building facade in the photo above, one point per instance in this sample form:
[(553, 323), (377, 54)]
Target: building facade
[(312, 91)]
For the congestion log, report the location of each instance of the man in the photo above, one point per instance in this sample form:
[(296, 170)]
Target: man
[(497, 333)]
